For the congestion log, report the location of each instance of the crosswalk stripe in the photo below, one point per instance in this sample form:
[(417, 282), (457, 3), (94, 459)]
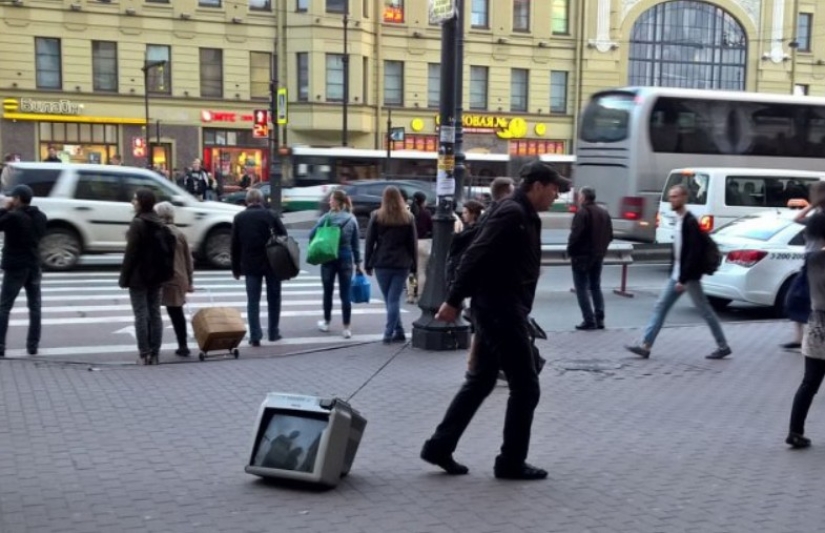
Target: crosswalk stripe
[(120, 294), (198, 287), (81, 274), (197, 305), (62, 284)]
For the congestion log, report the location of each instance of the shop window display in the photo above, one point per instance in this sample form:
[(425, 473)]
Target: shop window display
[(79, 142)]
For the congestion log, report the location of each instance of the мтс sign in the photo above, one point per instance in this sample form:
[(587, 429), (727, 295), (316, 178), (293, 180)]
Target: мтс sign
[(441, 11)]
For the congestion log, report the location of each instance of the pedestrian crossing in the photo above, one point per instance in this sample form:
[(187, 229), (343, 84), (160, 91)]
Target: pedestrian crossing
[(87, 313)]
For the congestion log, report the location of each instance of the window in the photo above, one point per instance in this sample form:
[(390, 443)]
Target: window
[(478, 87), (480, 14), (335, 78), (695, 183), (104, 66), (209, 3), (394, 83), (519, 79), (803, 32), (99, 187), (302, 6), (766, 191), (606, 118), (434, 85), (133, 182), (260, 5), (160, 77), (801, 89), (47, 60), (302, 60), (40, 180), (260, 74), (365, 78), (394, 11), (558, 91), (337, 6), (211, 72), (560, 17), (521, 15)]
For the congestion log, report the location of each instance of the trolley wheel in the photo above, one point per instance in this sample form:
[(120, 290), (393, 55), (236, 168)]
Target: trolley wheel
[(202, 356), (236, 353)]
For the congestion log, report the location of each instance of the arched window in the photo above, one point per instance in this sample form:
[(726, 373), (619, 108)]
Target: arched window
[(688, 44)]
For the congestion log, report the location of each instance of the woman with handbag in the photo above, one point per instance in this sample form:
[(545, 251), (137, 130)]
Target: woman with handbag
[(173, 295), (349, 254), (391, 250)]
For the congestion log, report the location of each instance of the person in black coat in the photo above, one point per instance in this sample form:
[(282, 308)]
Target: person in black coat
[(251, 230), (686, 274), (24, 226)]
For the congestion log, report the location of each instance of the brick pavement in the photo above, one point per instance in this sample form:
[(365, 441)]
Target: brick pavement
[(672, 444)]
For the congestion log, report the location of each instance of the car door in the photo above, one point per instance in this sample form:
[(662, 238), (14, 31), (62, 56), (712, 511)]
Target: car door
[(187, 208), (101, 209)]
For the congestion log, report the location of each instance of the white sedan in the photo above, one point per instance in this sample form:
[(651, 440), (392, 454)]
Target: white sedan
[(762, 253)]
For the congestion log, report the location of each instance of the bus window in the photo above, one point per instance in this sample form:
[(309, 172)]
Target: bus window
[(606, 118), (696, 184)]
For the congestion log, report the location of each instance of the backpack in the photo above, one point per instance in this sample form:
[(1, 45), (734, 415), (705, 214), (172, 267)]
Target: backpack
[(160, 264), (284, 256), (711, 256)]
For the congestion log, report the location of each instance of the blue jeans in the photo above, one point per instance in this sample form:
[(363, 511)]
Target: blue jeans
[(148, 322), (254, 286), (13, 281), (587, 278), (666, 300), (341, 267), (391, 281)]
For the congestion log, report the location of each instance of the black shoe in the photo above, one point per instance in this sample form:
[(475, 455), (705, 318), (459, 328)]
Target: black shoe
[(585, 326), (641, 351), (275, 338), (183, 351), (386, 340), (524, 472), (444, 461), (720, 353), (399, 337), (797, 441), (600, 324), (32, 350), (2, 353), (255, 344), (791, 345)]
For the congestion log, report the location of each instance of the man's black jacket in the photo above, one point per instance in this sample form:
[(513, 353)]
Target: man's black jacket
[(250, 233), (500, 268), (23, 230), (693, 249), (591, 232)]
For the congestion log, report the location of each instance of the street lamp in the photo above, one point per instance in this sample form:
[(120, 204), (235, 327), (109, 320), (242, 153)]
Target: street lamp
[(345, 59), (147, 66)]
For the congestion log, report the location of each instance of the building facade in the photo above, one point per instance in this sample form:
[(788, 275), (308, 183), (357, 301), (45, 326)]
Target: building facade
[(71, 71)]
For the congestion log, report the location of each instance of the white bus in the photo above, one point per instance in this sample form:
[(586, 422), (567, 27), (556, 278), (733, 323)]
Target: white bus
[(631, 138)]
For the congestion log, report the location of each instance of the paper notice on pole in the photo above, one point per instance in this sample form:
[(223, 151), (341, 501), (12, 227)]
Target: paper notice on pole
[(441, 11), (444, 183), (447, 134)]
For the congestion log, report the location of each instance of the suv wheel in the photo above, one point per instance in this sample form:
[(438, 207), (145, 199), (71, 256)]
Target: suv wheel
[(217, 248), (60, 249)]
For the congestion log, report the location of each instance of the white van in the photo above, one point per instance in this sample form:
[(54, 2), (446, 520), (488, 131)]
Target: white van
[(719, 195)]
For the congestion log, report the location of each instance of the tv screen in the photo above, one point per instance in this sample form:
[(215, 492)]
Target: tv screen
[(290, 441)]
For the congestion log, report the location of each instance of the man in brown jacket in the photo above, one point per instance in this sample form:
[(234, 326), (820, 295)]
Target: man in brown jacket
[(590, 236)]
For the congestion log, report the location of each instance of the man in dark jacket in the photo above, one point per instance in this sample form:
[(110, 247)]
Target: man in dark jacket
[(24, 225), (590, 236), (686, 275), (500, 271), (251, 230)]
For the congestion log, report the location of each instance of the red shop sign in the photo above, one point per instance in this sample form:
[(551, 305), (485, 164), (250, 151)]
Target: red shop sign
[(225, 116)]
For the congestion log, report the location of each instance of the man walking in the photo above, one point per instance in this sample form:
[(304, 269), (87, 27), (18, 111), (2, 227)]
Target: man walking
[(251, 230), (590, 236), (23, 225), (197, 181), (507, 250), (687, 255)]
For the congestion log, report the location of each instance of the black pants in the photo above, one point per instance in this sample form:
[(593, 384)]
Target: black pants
[(814, 372), (178, 323), (502, 345), (13, 281)]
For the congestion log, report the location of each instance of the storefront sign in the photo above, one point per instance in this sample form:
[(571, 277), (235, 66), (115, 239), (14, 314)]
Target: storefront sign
[(533, 147), (503, 127), (226, 116), (43, 107)]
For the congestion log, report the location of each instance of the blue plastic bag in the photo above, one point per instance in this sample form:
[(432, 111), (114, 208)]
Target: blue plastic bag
[(360, 289)]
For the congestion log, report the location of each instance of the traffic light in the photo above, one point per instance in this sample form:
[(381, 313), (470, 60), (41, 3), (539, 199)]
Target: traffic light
[(260, 127)]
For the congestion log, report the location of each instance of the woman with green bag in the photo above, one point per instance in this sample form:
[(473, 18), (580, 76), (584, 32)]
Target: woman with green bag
[(341, 227)]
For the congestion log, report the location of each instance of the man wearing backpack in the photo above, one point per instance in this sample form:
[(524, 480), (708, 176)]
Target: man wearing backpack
[(148, 262), (690, 260)]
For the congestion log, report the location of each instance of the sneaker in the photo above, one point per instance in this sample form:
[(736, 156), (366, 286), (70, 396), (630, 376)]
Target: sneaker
[(641, 351), (323, 325), (797, 441), (347, 333), (720, 353), (791, 345)]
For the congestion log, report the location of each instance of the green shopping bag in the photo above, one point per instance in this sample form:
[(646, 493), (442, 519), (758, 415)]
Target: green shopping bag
[(324, 245)]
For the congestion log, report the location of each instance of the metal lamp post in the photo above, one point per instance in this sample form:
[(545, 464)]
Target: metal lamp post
[(147, 66), (345, 59)]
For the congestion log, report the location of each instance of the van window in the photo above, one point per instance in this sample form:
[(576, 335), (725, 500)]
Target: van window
[(41, 180), (697, 186), (765, 191)]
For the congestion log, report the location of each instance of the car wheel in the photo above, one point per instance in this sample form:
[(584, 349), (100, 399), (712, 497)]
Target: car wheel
[(217, 248), (781, 295), (718, 303), (60, 249)]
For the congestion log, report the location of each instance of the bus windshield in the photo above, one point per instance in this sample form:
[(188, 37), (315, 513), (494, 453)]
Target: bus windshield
[(606, 119)]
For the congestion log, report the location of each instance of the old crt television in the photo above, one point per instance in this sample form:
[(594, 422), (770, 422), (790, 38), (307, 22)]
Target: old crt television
[(304, 438)]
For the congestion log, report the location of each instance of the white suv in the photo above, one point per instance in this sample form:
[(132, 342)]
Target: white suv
[(89, 211)]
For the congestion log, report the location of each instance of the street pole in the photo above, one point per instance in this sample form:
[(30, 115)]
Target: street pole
[(275, 170), (428, 332), (460, 158), (147, 66), (345, 59), (389, 144)]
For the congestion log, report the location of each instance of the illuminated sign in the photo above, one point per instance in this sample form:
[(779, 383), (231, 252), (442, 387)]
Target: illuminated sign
[(138, 147), (226, 116), (260, 127), (43, 107), (503, 127), (281, 106)]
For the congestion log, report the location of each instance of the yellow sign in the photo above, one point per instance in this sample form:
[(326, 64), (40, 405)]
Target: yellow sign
[(446, 162), (541, 129), (503, 127), (417, 124), (28, 109), (281, 108)]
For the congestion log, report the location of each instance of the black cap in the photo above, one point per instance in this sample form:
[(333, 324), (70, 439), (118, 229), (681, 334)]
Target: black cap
[(23, 192), (544, 173)]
